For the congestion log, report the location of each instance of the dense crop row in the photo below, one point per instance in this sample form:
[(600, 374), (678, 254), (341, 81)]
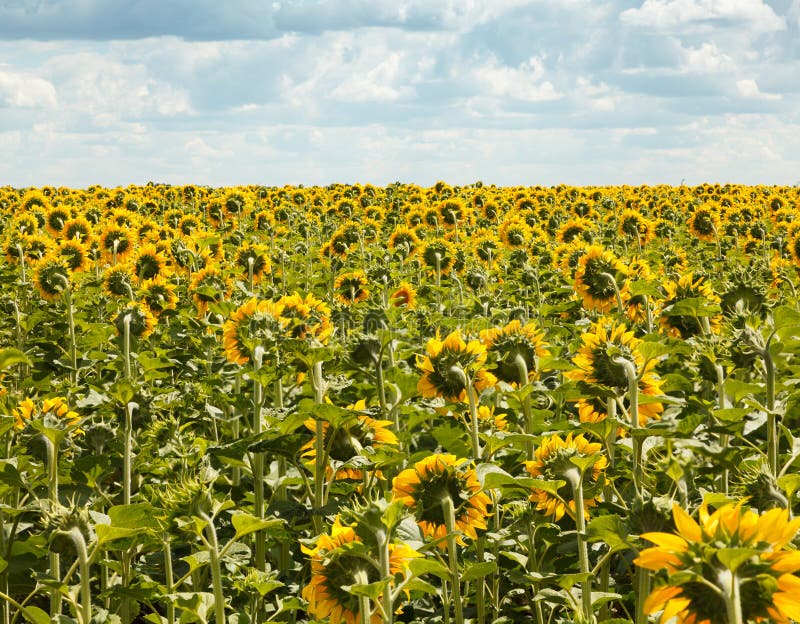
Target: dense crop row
[(367, 404)]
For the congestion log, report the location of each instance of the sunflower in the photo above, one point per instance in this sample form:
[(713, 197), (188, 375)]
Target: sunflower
[(595, 278), (576, 229), (404, 242), (141, 321), (351, 288), (252, 257), (118, 281), (52, 276), (552, 460), (452, 212), (596, 364), (633, 224), (78, 229), (515, 341), (704, 224), (27, 410), (189, 224), (309, 318), (339, 560), (424, 487), (515, 232), (347, 440), (635, 309), (209, 285), (447, 366), (486, 247), (116, 243), (405, 295), (158, 294), (31, 247), (75, 254), (148, 262), (687, 287), (441, 253), (55, 219), (255, 323), (703, 561)]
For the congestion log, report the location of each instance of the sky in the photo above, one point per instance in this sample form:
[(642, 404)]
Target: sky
[(509, 92)]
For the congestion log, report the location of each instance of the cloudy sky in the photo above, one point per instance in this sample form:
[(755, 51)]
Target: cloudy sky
[(116, 92)]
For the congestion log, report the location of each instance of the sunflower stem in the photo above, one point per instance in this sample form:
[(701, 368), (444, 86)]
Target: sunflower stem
[(522, 371), (319, 461), (721, 404), (73, 345), (772, 420), (83, 566), (473, 415), (126, 345), (449, 513), (169, 578), (216, 569), (633, 411), (127, 453), (612, 280), (55, 561), (732, 593), (575, 478), (386, 573), (258, 461)]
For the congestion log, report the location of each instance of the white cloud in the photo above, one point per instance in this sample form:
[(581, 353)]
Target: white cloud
[(748, 88), (523, 82), (704, 14), (377, 84), (26, 90)]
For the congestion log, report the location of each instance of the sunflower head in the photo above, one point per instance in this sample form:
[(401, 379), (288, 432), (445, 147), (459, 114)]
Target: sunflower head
[(351, 288), (138, 318), (253, 324), (52, 276), (309, 318), (511, 347), (595, 277), (449, 365), (404, 296), (424, 487), (553, 461)]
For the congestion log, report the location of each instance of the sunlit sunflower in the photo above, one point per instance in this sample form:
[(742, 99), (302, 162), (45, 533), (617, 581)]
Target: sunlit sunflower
[(449, 365), (439, 252), (634, 225), (78, 229), (687, 287), (209, 285), (514, 232), (56, 218), (597, 272), (348, 440), (576, 229), (253, 324), (158, 294), (75, 254), (704, 224), (351, 288), (52, 276), (552, 461), (707, 578), (452, 212), (405, 295), (309, 318), (514, 345), (486, 247), (118, 281), (141, 322), (116, 243), (31, 248), (596, 363), (424, 487), (635, 310), (404, 242), (27, 410), (340, 560), (252, 259), (189, 224)]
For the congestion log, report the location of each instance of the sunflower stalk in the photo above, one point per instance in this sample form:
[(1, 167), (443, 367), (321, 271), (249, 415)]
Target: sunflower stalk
[(729, 580), (522, 371), (613, 282), (386, 573), (449, 512), (210, 541), (128, 453), (169, 577), (83, 567), (473, 412), (633, 412), (318, 381), (575, 478), (721, 404), (258, 462), (73, 345), (52, 486)]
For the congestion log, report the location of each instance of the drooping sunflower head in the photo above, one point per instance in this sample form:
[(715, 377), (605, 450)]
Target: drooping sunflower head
[(148, 262), (405, 295), (512, 347), (253, 324), (577, 229), (424, 487), (404, 241), (137, 317), (515, 232), (309, 318), (439, 252), (116, 242), (595, 277), (56, 218), (75, 254), (209, 285), (252, 259), (348, 439), (351, 288), (702, 559), (158, 294), (56, 408), (52, 276), (634, 225), (78, 229), (118, 281), (553, 462), (687, 287), (449, 365), (704, 223)]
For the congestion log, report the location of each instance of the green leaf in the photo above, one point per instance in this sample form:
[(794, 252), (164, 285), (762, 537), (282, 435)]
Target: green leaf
[(730, 414), (9, 357), (418, 584), (694, 307), (789, 483), (245, 523), (609, 529), (141, 516), (107, 533), (371, 590), (732, 558), (738, 390), (479, 570), (35, 615), (429, 566)]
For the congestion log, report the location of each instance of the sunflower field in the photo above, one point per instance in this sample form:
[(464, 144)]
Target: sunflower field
[(368, 405)]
